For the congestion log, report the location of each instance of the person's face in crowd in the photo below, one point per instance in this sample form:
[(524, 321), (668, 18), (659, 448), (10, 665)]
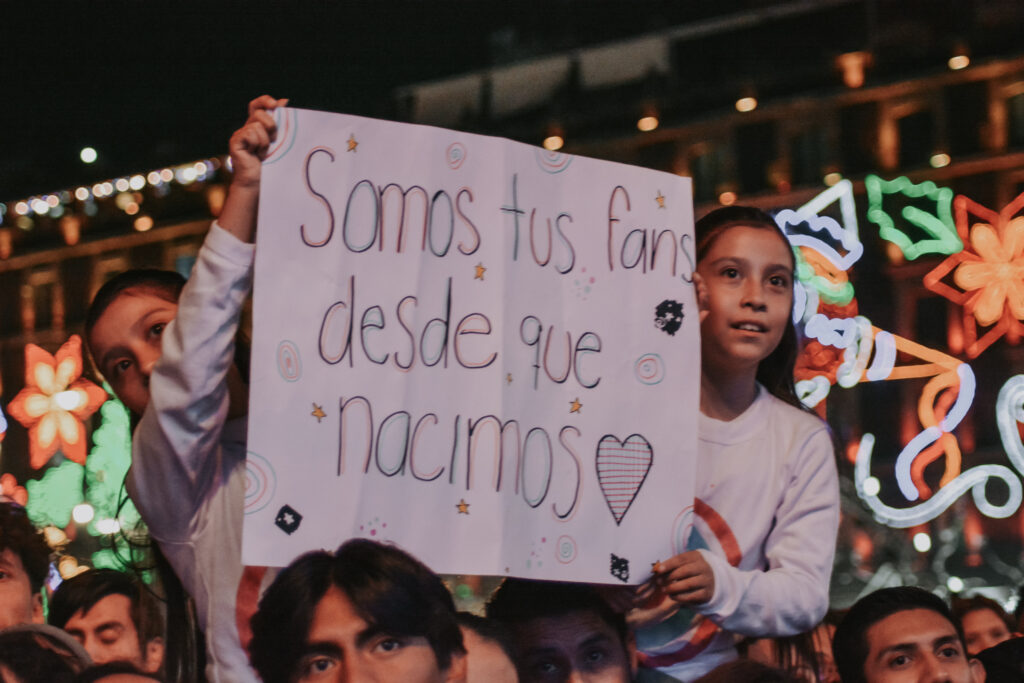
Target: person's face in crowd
[(342, 646), (125, 342), (579, 647), (983, 629), (917, 646), (18, 604), (486, 662), (748, 278), (108, 634)]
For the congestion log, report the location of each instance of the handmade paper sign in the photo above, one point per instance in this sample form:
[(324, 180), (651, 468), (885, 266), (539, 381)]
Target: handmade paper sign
[(482, 351)]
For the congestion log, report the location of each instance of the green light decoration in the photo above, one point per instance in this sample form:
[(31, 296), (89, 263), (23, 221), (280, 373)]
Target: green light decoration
[(106, 467), (939, 225), (51, 499)]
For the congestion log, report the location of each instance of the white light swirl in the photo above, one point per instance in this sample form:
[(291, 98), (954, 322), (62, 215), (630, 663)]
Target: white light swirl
[(1010, 411)]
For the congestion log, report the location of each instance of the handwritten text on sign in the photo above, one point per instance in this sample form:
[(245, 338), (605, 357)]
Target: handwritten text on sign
[(477, 349)]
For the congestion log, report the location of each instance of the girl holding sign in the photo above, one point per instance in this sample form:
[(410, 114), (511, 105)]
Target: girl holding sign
[(767, 506), (168, 351)]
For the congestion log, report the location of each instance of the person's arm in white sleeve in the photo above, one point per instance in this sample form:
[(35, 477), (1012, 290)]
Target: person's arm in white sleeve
[(176, 444), (791, 595)]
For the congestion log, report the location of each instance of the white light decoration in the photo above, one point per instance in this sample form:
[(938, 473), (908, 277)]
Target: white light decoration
[(955, 584), (973, 479), (121, 184), (1010, 411), (872, 486), (922, 542), (82, 193), (68, 400), (108, 526), (137, 182), (88, 155), (82, 513)]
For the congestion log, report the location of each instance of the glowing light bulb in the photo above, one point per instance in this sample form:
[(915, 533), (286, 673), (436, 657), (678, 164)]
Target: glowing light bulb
[(957, 62), (939, 159), (108, 526), (553, 143), (727, 198), (922, 542), (872, 486), (83, 513), (21, 208), (955, 584), (88, 155), (647, 123), (121, 184), (143, 223), (154, 178), (82, 193), (832, 178), (745, 104), (68, 400), (137, 182)]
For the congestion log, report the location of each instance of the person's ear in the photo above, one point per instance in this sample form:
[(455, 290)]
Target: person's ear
[(153, 657), (977, 670), (702, 295), (456, 669), (38, 615)]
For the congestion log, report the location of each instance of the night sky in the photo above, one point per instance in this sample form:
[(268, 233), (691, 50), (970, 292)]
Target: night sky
[(152, 83)]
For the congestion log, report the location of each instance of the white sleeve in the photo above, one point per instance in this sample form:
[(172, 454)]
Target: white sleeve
[(791, 594), (175, 449)]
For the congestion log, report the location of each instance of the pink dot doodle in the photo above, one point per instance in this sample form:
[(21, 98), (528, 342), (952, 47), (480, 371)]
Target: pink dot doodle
[(289, 363), (455, 155)]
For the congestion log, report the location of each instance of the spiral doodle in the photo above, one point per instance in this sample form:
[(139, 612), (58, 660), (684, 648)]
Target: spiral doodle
[(649, 368), (552, 162), (289, 363), (681, 530), (260, 483), (287, 128), (455, 155), (565, 549)]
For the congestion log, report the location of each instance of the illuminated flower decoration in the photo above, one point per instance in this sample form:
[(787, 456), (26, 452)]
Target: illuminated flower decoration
[(988, 274), (55, 402), (10, 490)]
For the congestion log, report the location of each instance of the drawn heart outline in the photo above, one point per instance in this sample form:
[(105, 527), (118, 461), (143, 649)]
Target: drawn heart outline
[(622, 468)]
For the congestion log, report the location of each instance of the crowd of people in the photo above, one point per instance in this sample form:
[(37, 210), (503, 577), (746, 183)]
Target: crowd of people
[(750, 608)]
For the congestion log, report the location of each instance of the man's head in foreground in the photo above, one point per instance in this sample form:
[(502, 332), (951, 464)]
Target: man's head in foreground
[(488, 652), (112, 616), (367, 611), (24, 563), (561, 630), (902, 634)]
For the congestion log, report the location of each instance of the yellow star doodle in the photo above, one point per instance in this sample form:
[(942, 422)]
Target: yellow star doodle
[(575, 405), (660, 199), (352, 143), (318, 412), (480, 270), (462, 506)]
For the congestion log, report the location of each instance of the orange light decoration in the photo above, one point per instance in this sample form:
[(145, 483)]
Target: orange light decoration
[(10, 490), (989, 273), (55, 402)]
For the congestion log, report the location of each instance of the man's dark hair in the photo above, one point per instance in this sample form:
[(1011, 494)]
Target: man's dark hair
[(82, 592), (487, 629), (391, 590), (961, 607), (19, 536), (850, 643), (519, 600)]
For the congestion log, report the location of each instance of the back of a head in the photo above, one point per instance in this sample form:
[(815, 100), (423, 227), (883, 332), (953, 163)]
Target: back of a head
[(850, 643), (38, 652), (18, 535), (962, 606), (82, 592), (518, 600), (388, 588)]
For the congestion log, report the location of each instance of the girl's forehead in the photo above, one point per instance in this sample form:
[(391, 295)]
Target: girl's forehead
[(744, 238)]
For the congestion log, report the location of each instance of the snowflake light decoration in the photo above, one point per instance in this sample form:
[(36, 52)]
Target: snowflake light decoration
[(55, 402), (988, 274)]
